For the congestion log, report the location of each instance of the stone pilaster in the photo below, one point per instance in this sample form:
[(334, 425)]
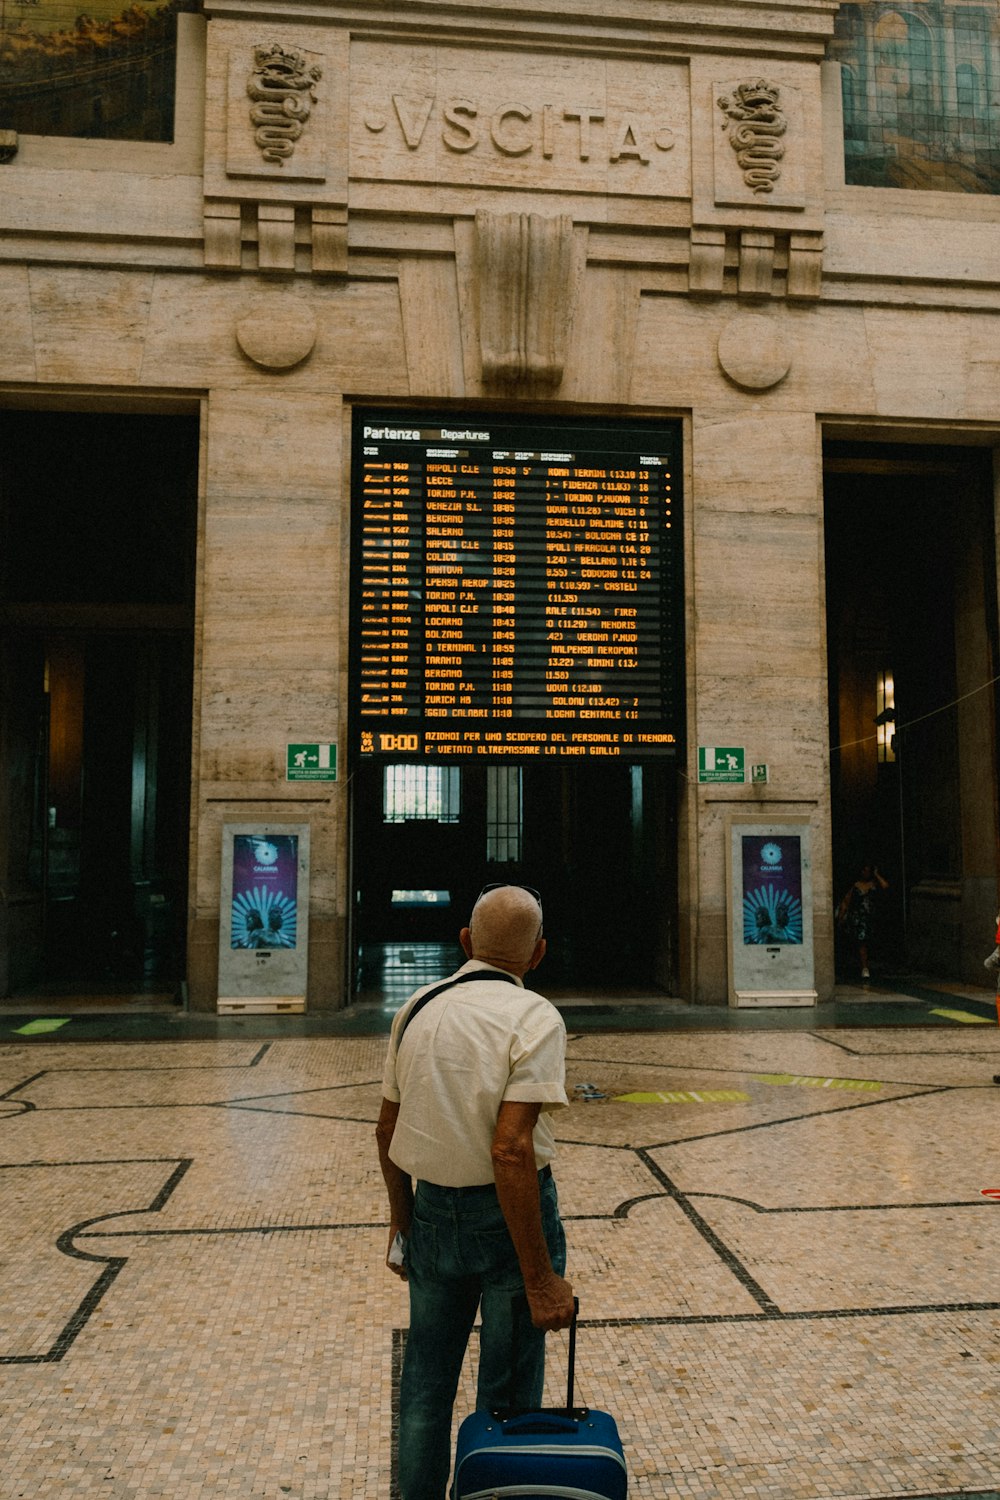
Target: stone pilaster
[(272, 668), (756, 659)]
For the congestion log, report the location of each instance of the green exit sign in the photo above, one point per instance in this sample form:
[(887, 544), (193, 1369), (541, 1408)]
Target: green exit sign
[(311, 763), (721, 763)]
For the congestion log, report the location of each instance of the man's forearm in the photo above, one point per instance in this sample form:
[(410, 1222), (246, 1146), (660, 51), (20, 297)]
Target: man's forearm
[(400, 1189), (398, 1183), (517, 1190), (550, 1296)]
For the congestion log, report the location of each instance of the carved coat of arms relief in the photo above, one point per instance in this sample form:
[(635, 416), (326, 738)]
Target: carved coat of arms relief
[(282, 87)]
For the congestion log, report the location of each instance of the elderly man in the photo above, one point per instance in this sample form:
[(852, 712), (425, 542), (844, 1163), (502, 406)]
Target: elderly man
[(474, 1069)]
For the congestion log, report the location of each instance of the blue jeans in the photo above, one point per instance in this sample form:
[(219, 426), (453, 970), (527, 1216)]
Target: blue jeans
[(460, 1255)]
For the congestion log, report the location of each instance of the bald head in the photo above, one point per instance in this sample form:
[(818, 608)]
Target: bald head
[(505, 929)]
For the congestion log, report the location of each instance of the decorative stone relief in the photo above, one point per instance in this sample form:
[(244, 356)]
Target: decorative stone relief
[(277, 117), (526, 292), (223, 236), (283, 89), (277, 332), (755, 124), (314, 239), (708, 260), (329, 240), (277, 121), (276, 237), (759, 263), (805, 265), (755, 276), (754, 352)]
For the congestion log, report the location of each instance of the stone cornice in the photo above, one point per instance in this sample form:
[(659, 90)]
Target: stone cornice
[(765, 28)]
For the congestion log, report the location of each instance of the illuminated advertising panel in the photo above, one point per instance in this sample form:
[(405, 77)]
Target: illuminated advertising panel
[(770, 921), (517, 587), (264, 911), (772, 889)]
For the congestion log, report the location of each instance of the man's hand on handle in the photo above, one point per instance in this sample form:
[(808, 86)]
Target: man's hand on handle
[(550, 1296), (551, 1303)]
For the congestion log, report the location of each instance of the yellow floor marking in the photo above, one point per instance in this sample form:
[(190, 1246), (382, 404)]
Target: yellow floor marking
[(963, 1015), (41, 1025), (805, 1081), (687, 1096)]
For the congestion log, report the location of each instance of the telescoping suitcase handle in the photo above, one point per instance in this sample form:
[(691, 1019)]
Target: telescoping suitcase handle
[(547, 1419)]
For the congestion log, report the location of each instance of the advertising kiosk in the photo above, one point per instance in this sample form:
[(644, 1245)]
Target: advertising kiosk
[(769, 881), (264, 918)]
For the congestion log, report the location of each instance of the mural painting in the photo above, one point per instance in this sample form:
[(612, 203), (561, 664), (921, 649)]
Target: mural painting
[(921, 88), (105, 72)]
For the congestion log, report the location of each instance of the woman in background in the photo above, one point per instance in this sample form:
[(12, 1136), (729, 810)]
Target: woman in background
[(856, 912)]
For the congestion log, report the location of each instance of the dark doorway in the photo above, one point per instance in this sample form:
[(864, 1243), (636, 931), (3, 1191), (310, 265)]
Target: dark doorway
[(598, 842), (912, 631), (99, 516)]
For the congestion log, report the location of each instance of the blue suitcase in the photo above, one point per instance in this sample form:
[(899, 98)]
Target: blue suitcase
[(568, 1453)]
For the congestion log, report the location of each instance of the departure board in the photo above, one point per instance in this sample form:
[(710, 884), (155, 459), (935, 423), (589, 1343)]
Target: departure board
[(517, 587)]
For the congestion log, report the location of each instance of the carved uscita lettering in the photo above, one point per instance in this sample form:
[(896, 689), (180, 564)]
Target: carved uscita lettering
[(548, 132), (412, 115), (586, 117), (519, 130), (509, 141), (459, 134), (629, 143)]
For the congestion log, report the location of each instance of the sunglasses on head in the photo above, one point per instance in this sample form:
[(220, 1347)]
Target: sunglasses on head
[(504, 885)]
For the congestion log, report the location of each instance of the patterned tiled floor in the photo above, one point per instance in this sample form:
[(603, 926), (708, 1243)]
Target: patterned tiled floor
[(789, 1271)]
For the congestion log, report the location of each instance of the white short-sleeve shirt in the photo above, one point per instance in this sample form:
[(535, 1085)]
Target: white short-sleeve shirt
[(470, 1049)]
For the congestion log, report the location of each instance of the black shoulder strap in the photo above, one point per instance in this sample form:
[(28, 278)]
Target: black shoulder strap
[(447, 985)]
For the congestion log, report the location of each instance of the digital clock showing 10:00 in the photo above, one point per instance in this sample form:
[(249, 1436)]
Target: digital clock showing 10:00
[(517, 588), (399, 744)]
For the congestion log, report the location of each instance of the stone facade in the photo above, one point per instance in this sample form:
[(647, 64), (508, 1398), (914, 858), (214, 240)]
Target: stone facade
[(634, 208)]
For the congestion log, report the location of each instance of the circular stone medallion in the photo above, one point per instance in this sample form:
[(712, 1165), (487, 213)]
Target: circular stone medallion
[(277, 332), (754, 352)]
